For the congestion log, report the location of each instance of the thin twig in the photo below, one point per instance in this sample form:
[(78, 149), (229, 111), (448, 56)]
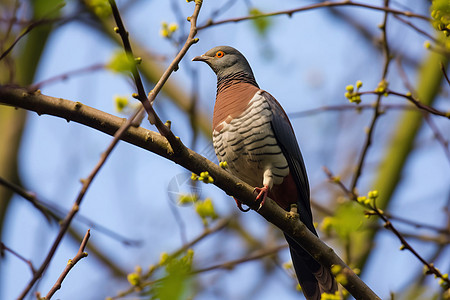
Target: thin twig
[(206, 232), (442, 240), (377, 112), (417, 224), (27, 261), (431, 269), (438, 135), (254, 256), (361, 27), (72, 262), (23, 34), (290, 12), (66, 75), (445, 73), (43, 21), (346, 107), (226, 265), (351, 194), (410, 98), (29, 196), (52, 211), (141, 96), (420, 105), (417, 29), (10, 23)]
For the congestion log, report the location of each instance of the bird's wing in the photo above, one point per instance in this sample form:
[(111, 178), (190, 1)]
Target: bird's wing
[(285, 136), (312, 276)]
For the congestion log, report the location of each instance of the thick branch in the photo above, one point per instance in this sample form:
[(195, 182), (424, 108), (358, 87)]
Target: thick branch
[(154, 142)]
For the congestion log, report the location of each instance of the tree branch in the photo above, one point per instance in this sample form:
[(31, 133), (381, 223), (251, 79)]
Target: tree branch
[(290, 12), (29, 196), (194, 162), (374, 210), (141, 95), (27, 261), (72, 262), (413, 100), (207, 232), (376, 109)]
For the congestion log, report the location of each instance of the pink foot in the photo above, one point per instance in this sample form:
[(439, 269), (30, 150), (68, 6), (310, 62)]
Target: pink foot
[(262, 193)]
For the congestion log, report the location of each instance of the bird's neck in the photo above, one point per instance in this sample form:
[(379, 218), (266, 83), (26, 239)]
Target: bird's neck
[(224, 82)]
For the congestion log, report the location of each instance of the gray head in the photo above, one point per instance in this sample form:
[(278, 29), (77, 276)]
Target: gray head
[(226, 61)]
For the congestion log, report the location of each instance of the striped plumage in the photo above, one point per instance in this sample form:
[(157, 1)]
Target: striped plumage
[(248, 144), (252, 133)]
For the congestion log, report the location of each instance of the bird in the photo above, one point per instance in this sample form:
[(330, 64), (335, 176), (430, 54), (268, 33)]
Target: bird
[(253, 135)]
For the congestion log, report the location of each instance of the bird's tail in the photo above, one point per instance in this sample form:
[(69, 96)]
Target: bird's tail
[(312, 276)]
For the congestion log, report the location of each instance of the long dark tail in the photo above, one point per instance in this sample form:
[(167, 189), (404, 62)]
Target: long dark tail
[(312, 276)]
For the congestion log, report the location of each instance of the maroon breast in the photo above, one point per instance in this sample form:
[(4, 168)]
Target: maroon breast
[(232, 101)]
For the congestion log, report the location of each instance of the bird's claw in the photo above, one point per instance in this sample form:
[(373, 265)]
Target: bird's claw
[(293, 212), (262, 192), (239, 205)]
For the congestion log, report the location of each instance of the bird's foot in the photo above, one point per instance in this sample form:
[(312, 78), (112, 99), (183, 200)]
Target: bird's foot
[(262, 193), (239, 205), (293, 213)]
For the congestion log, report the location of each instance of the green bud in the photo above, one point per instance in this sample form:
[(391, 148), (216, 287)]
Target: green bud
[(359, 84), (342, 279), (164, 257), (336, 269), (361, 199), (120, 103), (134, 279), (372, 194), (349, 88), (173, 27)]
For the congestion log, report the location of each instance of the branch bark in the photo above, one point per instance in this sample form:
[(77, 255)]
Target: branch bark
[(154, 142), (72, 262)]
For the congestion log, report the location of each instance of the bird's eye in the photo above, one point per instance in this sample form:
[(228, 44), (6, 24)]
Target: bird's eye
[(219, 54)]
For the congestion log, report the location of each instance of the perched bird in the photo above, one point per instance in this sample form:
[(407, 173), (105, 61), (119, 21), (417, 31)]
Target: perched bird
[(252, 133)]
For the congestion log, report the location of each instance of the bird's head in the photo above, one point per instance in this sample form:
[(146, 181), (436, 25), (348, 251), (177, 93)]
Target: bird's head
[(225, 61)]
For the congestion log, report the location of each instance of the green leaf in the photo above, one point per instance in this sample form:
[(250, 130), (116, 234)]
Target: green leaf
[(47, 8), (205, 209), (101, 8), (120, 62), (348, 219), (261, 24), (176, 283)]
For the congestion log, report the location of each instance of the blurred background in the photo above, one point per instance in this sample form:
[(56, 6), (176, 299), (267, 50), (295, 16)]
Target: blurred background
[(133, 208)]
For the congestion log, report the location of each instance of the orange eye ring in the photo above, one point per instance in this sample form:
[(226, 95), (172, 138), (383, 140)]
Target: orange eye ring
[(219, 54)]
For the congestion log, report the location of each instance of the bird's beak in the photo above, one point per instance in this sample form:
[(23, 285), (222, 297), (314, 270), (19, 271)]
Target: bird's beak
[(200, 58)]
